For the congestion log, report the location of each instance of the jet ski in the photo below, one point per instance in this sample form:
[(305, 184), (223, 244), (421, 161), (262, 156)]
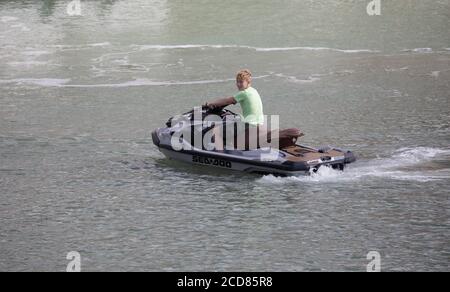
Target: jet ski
[(288, 158)]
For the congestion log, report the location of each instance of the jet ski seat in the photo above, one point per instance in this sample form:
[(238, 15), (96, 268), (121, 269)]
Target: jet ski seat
[(286, 137)]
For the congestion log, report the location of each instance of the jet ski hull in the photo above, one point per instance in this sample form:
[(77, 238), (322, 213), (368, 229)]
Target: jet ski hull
[(248, 161)]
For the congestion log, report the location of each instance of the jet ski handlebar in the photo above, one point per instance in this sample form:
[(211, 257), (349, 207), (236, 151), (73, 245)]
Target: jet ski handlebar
[(220, 111)]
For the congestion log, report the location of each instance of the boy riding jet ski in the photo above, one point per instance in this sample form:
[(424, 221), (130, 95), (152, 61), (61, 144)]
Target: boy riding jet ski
[(253, 147)]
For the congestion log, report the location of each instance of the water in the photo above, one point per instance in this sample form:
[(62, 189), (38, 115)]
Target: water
[(79, 96)]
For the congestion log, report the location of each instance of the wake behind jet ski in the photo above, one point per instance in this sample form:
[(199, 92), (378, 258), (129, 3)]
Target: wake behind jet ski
[(177, 141)]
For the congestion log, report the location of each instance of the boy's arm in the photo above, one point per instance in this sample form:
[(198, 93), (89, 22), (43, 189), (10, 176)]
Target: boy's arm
[(221, 102)]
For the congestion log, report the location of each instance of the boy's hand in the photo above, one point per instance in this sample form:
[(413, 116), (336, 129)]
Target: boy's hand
[(209, 105)]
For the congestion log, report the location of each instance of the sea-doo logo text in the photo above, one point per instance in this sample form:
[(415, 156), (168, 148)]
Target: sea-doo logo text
[(211, 161)]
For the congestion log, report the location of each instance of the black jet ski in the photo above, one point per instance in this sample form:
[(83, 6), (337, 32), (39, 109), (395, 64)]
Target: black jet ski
[(287, 159)]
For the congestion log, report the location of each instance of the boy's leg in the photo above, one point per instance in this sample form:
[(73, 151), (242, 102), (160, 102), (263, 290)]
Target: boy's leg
[(241, 136), (218, 138), (247, 138)]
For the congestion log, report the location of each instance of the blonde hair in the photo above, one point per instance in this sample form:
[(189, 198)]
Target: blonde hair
[(244, 74)]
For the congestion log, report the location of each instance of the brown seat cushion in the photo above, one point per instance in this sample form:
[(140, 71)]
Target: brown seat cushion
[(287, 137)]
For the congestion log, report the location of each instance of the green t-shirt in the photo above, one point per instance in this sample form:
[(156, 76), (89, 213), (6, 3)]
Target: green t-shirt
[(251, 104)]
